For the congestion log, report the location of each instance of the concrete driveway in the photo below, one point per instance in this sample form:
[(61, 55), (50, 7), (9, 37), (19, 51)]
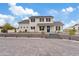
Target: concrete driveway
[(12, 46)]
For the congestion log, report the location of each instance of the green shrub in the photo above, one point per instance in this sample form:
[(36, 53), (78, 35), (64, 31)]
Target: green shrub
[(4, 31), (72, 32)]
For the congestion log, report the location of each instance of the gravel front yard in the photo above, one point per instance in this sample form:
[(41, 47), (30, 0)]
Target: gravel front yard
[(12, 46)]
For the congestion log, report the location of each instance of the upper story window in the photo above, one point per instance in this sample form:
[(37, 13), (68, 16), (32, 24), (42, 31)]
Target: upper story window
[(41, 19), (32, 20), (47, 19), (33, 27)]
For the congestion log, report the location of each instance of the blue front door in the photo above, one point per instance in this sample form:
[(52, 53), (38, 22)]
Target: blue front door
[(48, 28)]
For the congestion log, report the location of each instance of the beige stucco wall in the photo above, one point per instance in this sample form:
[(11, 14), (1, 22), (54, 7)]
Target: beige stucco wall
[(54, 29), (23, 29), (11, 31), (38, 21), (45, 29), (0, 30), (31, 24), (20, 30)]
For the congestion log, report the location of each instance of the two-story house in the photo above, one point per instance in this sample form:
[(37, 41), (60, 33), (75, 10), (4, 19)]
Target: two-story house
[(40, 24)]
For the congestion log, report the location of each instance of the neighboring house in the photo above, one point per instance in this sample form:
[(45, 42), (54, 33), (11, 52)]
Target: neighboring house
[(76, 27), (40, 24), (58, 26), (8, 31), (23, 26)]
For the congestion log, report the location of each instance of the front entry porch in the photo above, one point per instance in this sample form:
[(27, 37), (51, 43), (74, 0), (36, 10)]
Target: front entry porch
[(44, 28), (48, 28)]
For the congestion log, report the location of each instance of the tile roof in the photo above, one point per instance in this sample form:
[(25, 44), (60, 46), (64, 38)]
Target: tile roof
[(76, 25), (58, 24), (24, 22), (40, 16)]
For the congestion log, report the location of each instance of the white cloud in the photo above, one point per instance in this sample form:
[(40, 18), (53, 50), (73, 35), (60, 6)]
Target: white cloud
[(15, 24), (52, 11), (25, 18), (17, 10), (63, 16), (63, 10), (30, 12), (2, 22), (58, 14), (6, 18), (71, 23), (69, 9), (20, 11)]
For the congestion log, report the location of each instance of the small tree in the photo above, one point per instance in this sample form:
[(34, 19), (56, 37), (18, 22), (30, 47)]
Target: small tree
[(3, 30), (72, 32), (7, 26)]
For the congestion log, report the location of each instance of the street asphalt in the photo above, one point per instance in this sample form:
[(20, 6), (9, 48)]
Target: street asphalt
[(23, 46)]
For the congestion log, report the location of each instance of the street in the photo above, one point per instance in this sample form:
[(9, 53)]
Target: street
[(23, 46)]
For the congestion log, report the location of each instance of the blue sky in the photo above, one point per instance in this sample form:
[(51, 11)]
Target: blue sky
[(68, 13)]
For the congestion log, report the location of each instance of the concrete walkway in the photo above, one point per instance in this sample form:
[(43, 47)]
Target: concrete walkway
[(12, 46)]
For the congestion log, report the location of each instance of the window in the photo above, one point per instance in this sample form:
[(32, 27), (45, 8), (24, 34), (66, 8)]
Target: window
[(57, 27), (33, 27), (27, 27), (47, 19), (21, 27), (24, 27), (41, 28), (41, 19), (32, 20)]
